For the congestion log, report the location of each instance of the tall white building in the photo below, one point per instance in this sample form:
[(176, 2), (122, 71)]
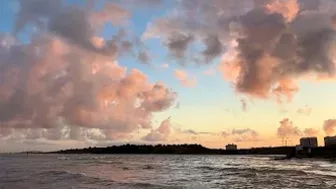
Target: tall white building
[(309, 142), (330, 141)]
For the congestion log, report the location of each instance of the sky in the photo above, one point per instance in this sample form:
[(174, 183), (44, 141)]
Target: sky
[(78, 73)]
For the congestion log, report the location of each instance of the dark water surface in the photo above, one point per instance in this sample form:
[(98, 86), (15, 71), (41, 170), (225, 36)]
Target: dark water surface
[(162, 171)]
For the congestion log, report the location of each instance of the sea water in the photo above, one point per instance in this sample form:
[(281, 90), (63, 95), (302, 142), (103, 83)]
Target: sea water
[(162, 171)]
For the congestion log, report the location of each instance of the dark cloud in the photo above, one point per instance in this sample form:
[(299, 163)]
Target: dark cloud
[(77, 24), (144, 57), (178, 44), (271, 55), (213, 46), (270, 44), (73, 24), (197, 21), (34, 11)]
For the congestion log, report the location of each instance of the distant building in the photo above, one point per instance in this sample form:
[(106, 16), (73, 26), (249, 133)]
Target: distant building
[(330, 141), (309, 142), (231, 147)]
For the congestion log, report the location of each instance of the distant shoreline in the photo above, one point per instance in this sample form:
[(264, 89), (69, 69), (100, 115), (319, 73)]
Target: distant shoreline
[(288, 152), (187, 149)]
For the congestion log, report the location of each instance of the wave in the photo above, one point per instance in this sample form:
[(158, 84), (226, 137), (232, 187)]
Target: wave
[(323, 173), (60, 174), (108, 162), (268, 170), (251, 170), (151, 185), (86, 157), (63, 158)]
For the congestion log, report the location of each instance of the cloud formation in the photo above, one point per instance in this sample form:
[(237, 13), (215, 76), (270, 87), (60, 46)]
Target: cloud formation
[(66, 83), (273, 42), (161, 133), (193, 132), (329, 126), (241, 135), (287, 129), (80, 26), (185, 78)]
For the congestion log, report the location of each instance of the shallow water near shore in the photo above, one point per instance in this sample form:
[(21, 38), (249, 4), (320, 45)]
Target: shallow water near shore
[(162, 171)]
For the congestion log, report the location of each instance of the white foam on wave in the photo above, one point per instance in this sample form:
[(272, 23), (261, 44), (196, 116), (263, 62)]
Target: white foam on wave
[(63, 158), (324, 173)]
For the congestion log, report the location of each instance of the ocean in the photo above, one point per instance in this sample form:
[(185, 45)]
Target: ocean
[(17, 171)]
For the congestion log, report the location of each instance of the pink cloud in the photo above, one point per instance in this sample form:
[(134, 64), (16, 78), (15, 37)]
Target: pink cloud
[(161, 133), (66, 83), (287, 129), (185, 78), (329, 126)]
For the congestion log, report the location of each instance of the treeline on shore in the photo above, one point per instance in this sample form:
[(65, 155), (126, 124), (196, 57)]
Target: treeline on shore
[(174, 149)]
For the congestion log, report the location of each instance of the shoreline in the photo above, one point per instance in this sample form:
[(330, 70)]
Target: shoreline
[(287, 152)]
